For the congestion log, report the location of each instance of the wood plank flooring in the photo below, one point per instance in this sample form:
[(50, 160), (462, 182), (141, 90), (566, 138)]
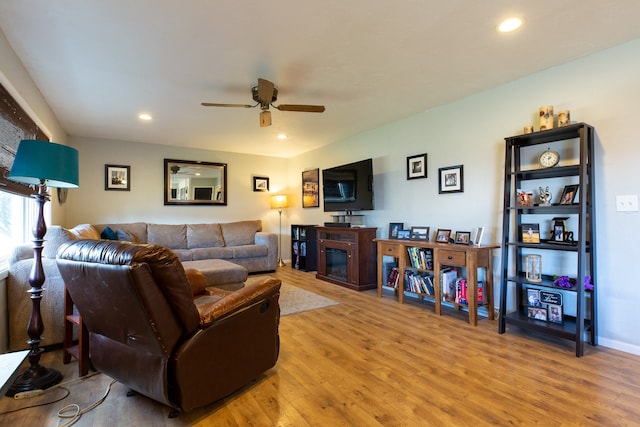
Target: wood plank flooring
[(370, 361)]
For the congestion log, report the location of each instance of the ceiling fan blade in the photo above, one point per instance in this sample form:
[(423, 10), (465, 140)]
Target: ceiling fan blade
[(302, 108), (265, 91), (213, 104)]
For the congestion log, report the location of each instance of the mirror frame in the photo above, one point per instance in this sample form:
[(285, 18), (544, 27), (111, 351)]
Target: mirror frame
[(171, 164)]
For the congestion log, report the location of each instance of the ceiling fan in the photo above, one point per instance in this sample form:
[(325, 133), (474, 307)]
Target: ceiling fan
[(265, 94)]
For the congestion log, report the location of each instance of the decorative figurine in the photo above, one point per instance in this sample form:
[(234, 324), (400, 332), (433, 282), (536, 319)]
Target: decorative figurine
[(544, 197), (533, 268)]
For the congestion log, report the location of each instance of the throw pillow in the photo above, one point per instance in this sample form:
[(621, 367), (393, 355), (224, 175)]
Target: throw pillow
[(125, 236), (84, 231), (108, 234)]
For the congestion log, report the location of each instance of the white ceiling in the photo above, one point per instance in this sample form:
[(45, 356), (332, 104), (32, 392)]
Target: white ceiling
[(100, 63)]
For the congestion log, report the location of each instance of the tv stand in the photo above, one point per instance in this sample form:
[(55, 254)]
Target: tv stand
[(347, 257)]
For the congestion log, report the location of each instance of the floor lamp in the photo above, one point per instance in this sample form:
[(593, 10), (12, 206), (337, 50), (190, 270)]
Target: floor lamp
[(42, 164), (279, 201)]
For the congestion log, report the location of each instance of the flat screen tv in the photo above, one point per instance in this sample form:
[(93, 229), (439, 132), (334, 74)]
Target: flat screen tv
[(348, 187)]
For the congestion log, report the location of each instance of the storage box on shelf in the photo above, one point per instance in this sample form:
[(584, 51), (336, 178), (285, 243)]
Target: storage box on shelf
[(420, 269), (560, 252)]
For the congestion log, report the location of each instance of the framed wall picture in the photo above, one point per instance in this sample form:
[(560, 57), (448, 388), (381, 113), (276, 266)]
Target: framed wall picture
[(451, 179), (117, 177), (394, 228), (419, 233), (260, 183), (310, 188), (417, 166), (442, 236)]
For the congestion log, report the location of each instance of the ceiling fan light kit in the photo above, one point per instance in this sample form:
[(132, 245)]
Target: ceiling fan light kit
[(265, 94)]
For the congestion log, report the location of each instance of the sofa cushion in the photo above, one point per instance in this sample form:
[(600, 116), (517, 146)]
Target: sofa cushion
[(240, 232), (173, 236), (204, 236), (212, 253), (56, 236), (183, 254), (250, 251)]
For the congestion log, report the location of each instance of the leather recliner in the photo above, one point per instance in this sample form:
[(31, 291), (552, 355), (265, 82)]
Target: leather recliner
[(149, 332)]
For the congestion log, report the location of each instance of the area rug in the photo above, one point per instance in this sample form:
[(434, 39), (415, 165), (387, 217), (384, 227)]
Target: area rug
[(296, 300)]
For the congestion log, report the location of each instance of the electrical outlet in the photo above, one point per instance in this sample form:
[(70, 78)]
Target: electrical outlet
[(627, 203)]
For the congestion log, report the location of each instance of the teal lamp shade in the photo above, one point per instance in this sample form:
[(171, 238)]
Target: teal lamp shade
[(38, 162)]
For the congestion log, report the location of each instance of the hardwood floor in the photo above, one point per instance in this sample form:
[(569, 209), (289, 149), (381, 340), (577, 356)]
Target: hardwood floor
[(370, 361)]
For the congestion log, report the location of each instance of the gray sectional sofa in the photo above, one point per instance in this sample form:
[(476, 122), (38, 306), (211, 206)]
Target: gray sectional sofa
[(241, 242)]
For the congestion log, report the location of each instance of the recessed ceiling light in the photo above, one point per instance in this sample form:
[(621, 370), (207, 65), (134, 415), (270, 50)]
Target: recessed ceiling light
[(282, 136), (145, 116), (510, 24)]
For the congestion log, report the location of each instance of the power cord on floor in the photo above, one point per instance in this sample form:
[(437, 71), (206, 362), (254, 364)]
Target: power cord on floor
[(73, 411)]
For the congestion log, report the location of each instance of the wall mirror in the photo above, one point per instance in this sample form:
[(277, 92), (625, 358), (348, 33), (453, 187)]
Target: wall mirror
[(194, 183)]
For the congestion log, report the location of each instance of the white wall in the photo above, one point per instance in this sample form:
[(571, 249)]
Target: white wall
[(145, 202), (602, 90)]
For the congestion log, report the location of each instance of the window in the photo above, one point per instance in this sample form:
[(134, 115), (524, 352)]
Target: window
[(17, 209)]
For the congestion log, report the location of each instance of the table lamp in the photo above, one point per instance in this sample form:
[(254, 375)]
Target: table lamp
[(42, 164), (279, 201)]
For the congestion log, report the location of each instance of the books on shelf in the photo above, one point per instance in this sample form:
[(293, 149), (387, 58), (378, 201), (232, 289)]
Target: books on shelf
[(392, 277), (448, 278), (420, 258), (419, 283)]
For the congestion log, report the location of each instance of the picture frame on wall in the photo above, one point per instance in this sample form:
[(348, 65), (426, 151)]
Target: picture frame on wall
[(310, 188), (451, 179), (260, 183), (394, 228), (417, 166), (117, 178)]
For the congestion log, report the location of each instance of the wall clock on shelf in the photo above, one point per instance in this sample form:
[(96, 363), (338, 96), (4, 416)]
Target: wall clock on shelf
[(549, 158)]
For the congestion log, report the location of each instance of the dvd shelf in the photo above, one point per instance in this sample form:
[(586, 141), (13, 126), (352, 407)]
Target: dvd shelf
[(303, 247)]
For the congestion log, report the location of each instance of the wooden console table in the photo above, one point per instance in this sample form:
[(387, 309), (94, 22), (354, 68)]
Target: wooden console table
[(444, 255)]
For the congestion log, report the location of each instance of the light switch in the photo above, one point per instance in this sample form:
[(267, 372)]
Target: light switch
[(627, 203)]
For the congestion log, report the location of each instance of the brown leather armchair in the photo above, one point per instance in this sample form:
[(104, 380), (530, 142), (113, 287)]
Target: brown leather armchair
[(148, 330)]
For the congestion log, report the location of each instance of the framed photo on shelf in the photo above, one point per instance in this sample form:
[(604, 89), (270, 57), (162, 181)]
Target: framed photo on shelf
[(533, 297), (310, 187), (555, 313), (404, 234), (394, 228), (117, 178), (442, 236), (538, 313), (420, 233), (463, 237), (569, 194), (477, 240), (260, 183), (451, 179), (417, 166), (530, 233)]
